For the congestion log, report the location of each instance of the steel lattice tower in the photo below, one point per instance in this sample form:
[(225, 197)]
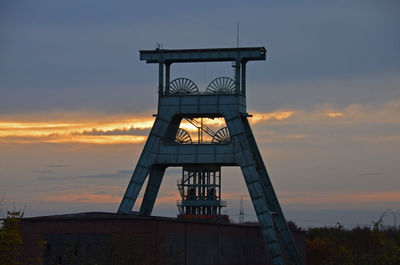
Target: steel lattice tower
[(165, 146)]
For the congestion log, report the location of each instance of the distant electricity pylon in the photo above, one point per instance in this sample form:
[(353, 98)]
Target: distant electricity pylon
[(241, 211)]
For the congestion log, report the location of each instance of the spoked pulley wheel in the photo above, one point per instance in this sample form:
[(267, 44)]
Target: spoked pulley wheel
[(182, 137), (221, 85), (183, 86), (222, 136)]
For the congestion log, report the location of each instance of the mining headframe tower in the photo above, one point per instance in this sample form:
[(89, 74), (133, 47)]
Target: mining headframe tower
[(168, 145)]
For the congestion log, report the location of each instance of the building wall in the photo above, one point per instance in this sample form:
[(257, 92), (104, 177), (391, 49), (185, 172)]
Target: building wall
[(144, 240)]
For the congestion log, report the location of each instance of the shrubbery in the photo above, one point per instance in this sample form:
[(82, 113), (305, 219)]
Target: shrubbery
[(358, 246), (10, 239)]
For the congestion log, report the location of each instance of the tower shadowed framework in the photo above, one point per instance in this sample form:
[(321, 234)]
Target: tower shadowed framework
[(168, 146)]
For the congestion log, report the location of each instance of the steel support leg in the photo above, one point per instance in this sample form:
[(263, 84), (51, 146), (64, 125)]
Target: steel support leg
[(247, 164), (264, 215), (145, 163), (134, 187), (260, 188), (272, 200), (155, 178)]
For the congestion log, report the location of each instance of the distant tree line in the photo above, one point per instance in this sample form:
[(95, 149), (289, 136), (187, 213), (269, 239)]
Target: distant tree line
[(376, 245)]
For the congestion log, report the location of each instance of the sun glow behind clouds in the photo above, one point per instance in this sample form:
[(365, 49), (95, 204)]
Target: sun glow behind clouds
[(334, 114), (89, 130), (278, 115), (99, 130), (123, 129)]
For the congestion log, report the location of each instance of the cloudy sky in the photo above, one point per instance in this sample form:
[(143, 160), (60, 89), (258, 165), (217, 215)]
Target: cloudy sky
[(76, 103)]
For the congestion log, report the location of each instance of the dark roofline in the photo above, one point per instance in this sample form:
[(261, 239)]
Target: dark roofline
[(88, 216)]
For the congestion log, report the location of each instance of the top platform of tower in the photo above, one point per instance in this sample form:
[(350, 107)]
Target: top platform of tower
[(221, 86), (167, 56)]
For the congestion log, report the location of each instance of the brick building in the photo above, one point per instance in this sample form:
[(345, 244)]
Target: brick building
[(109, 238)]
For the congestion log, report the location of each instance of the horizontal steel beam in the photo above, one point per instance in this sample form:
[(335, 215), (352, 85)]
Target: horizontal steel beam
[(196, 154), (202, 203), (203, 55)]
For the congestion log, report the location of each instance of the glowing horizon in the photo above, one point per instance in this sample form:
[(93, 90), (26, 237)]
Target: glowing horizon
[(97, 130), (311, 198)]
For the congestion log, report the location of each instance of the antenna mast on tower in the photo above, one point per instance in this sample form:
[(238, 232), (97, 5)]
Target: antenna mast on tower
[(237, 34)]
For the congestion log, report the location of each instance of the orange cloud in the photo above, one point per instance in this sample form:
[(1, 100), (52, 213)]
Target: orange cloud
[(92, 197), (100, 139), (83, 197), (278, 115), (334, 114), (91, 130), (122, 129), (99, 130)]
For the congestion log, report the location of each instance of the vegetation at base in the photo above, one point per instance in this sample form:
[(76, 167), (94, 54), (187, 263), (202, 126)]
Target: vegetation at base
[(10, 239), (378, 245)]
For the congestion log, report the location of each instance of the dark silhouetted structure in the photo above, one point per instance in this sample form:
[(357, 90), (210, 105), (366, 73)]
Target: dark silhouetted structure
[(169, 145), (109, 238)]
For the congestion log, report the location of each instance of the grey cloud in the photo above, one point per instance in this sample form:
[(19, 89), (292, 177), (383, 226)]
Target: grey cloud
[(92, 54), (58, 165), (125, 172), (48, 178), (101, 192), (371, 174), (46, 171), (103, 176), (117, 175)]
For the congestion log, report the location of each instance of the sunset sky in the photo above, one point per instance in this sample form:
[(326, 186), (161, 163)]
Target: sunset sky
[(76, 103)]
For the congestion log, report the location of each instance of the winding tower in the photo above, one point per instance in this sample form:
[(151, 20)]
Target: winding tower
[(169, 145)]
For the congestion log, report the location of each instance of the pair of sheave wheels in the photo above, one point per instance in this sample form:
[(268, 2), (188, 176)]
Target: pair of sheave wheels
[(185, 86)]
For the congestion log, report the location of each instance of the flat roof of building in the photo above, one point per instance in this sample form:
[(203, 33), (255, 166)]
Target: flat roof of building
[(92, 216)]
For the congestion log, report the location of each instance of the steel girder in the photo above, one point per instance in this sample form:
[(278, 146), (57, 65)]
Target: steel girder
[(203, 55)]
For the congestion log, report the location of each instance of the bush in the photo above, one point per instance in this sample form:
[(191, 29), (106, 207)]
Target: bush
[(358, 246), (10, 239)]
